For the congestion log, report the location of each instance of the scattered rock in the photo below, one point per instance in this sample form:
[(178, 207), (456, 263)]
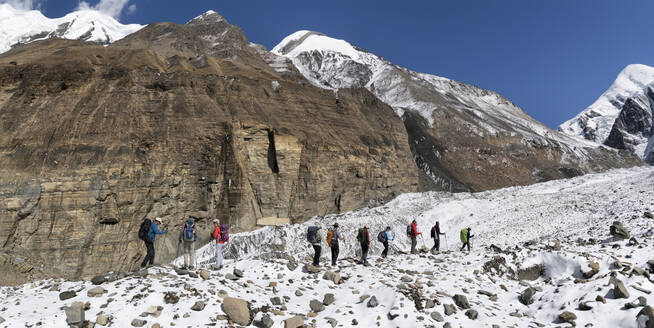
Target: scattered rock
[(648, 214), (594, 269), (198, 306), (436, 316), (67, 295), (101, 320), (74, 313), (645, 317), (311, 269), (584, 306), (333, 322), (527, 296), (430, 304), (266, 321), (98, 280), (294, 322), (531, 273), (276, 301), (372, 302), (449, 309), (600, 298), (291, 265), (237, 310), (328, 299), (171, 298), (568, 317), (238, 273), (316, 306), (96, 292), (639, 302), (472, 314), (617, 230), (205, 274), (406, 279), (619, 289), (138, 323), (461, 301), (231, 276), (633, 241)]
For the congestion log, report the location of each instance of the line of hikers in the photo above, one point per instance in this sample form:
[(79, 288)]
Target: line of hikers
[(188, 235), (315, 237)]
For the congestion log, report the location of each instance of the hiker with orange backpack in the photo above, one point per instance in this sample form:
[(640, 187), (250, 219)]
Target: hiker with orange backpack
[(333, 236)]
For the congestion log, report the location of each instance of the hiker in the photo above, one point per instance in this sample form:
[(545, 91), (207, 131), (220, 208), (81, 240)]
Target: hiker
[(221, 235), (314, 236), (436, 235), (187, 238), (413, 233), (465, 238), (333, 236), (364, 239), (386, 239), (153, 231)]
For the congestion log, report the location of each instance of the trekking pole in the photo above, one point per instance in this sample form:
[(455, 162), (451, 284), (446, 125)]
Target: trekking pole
[(423, 241), (445, 235)]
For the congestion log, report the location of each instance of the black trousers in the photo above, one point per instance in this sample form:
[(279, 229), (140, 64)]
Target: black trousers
[(437, 244), (149, 257), (385, 252), (467, 243), (316, 256), (334, 253)]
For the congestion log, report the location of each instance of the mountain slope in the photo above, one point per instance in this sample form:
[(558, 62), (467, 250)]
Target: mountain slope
[(462, 137), (21, 26)]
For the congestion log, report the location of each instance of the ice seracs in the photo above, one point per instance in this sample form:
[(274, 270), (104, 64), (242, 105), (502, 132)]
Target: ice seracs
[(23, 26)]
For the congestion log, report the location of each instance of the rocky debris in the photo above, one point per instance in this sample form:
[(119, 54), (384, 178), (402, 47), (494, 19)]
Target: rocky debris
[(649, 215), (75, 313), (237, 310), (265, 322), (449, 309), (406, 279), (294, 322), (333, 322), (527, 296), (205, 274), (171, 298), (568, 317), (639, 302), (436, 316), (617, 230), (645, 317), (101, 320), (154, 311), (276, 301), (98, 280), (316, 306), (472, 314), (96, 292), (198, 306), (328, 299), (461, 301), (311, 269), (139, 323), (67, 295), (372, 302), (594, 269), (531, 273), (2, 319), (619, 289), (585, 306), (335, 277), (231, 276), (600, 298), (291, 265), (238, 273)]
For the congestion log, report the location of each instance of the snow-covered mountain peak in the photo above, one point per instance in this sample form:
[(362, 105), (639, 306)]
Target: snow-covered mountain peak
[(208, 17), (24, 26), (306, 41)]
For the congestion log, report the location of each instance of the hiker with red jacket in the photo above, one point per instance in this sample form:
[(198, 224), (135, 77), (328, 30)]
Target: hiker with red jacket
[(364, 239), (221, 235), (414, 235)]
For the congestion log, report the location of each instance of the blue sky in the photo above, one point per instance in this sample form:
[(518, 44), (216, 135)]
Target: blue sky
[(551, 57)]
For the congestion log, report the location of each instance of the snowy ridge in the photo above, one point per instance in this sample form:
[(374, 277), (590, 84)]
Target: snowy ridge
[(23, 26), (595, 122)]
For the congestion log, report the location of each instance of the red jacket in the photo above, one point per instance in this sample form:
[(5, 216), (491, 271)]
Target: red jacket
[(414, 227), (216, 235)]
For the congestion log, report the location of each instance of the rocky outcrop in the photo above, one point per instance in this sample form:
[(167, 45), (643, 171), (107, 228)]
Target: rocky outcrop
[(95, 139)]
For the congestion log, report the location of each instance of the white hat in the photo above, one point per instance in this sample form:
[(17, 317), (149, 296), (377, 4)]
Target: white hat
[(216, 221), (158, 219)]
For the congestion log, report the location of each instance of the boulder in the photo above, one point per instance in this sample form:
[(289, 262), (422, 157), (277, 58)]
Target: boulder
[(328, 299), (594, 269), (96, 292), (568, 317), (316, 306), (617, 230), (461, 301), (205, 274), (311, 269), (292, 265), (237, 310), (67, 295), (527, 296), (198, 306), (171, 298), (449, 309), (648, 214), (138, 323), (436, 316), (584, 306), (472, 314), (74, 313), (639, 302), (98, 280), (294, 322), (645, 318), (619, 289), (530, 273), (101, 320), (238, 273), (372, 302), (266, 321)]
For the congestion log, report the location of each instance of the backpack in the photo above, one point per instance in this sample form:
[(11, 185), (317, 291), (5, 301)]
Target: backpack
[(361, 235), (330, 236), (144, 229), (464, 235), (189, 231), (409, 231), (224, 233), (312, 235), (381, 236), (433, 232)]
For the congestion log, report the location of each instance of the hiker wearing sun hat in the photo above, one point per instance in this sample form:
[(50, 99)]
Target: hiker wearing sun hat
[(153, 231)]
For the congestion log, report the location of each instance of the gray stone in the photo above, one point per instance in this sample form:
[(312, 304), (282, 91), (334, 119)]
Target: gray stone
[(639, 302), (231, 276), (171, 298), (2, 319), (372, 302), (527, 296), (617, 230), (447, 325), (406, 279), (237, 310), (430, 304), (67, 295), (205, 274), (276, 300), (648, 214), (328, 299), (316, 306), (531, 273), (461, 301), (192, 274), (198, 306), (291, 265), (584, 306), (96, 292), (298, 293), (98, 280), (449, 309), (181, 272), (74, 313), (238, 273), (568, 317), (472, 314), (311, 269), (266, 321), (645, 317), (101, 320), (436, 316), (138, 323), (294, 322), (619, 289), (333, 322)]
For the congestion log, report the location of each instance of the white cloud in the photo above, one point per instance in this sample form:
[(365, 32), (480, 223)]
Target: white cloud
[(23, 4), (110, 7)]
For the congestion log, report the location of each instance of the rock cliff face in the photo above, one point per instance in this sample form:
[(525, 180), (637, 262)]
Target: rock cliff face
[(94, 139)]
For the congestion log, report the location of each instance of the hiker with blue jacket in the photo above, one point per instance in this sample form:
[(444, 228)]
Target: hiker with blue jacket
[(386, 239), (153, 231), (187, 238)]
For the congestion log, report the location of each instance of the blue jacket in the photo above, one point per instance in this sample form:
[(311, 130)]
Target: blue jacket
[(154, 231), (389, 237)]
